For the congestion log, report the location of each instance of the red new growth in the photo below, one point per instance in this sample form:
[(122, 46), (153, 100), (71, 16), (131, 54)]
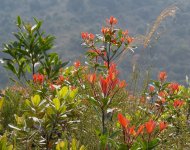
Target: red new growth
[(162, 76), (178, 103), (84, 35), (129, 39), (162, 125), (38, 78), (140, 130), (51, 86), (112, 20), (87, 36), (105, 30), (173, 87), (92, 78), (104, 85), (150, 126), (122, 84), (122, 120), (162, 94), (61, 78), (151, 88), (77, 64), (132, 131)]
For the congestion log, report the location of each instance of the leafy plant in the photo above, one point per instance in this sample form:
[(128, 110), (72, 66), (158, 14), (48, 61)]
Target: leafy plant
[(31, 49)]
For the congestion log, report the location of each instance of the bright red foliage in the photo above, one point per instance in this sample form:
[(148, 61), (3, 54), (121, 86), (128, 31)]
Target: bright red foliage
[(38, 78), (151, 88), (112, 20), (77, 64), (178, 103), (150, 126), (163, 125), (124, 122), (162, 76), (174, 87), (92, 78)]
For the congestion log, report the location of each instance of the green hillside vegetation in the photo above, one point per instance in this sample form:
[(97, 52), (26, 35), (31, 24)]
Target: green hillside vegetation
[(57, 105), (66, 19)]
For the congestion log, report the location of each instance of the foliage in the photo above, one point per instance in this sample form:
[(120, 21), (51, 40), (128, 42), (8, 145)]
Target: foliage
[(30, 49), (87, 106)]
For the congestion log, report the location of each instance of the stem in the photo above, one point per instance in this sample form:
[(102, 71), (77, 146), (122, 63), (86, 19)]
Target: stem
[(33, 69), (103, 121), (48, 139), (118, 54), (188, 113)]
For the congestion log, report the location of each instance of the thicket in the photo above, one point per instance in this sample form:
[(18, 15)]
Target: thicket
[(86, 105)]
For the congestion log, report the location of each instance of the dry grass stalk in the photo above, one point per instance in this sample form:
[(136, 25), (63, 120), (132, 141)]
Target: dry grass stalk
[(169, 11)]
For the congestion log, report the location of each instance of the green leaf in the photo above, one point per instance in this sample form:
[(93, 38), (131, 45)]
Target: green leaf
[(150, 145), (93, 101), (19, 120), (1, 103), (3, 142), (49, 111), (36, 100), (123, 147), (63, 92), (73, 93), (10, 147), (11, 67), (19, 21), (120, 33), (56, 103), (62, 145), (27, 102), (63, 109), (74, 144), (153, 144), (82, 147)]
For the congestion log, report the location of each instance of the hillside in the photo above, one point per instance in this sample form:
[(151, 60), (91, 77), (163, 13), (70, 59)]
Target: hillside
[(66, 19)]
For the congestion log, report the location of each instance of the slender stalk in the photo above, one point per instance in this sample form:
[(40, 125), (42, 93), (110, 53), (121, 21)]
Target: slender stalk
[(33, 69), (103, 121)]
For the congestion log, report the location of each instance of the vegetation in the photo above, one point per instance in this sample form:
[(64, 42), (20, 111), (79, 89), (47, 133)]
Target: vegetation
[(87, 106), (65, 19)]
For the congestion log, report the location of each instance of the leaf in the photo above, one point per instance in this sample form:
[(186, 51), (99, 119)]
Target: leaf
[(93, 101), (63, 109), (27, 102), (3, 142), (73, 93), (82, 147), (123, 147), (36, 100), (11, 67), (10, 147), (120, 33), (153, 143), (49, 111), (62, 145), (56, 103), (150, 145), (63, 92), (34, 27), (1, 103), (74, 144), (105, 101), (13, 127), (19, 21), (19, 120)]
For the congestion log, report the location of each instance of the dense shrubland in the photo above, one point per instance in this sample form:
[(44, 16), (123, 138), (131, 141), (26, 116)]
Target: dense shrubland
[(54, 105), (65, 19)]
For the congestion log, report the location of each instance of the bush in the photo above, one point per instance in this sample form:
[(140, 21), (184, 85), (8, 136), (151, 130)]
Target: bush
[(88, 106)]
